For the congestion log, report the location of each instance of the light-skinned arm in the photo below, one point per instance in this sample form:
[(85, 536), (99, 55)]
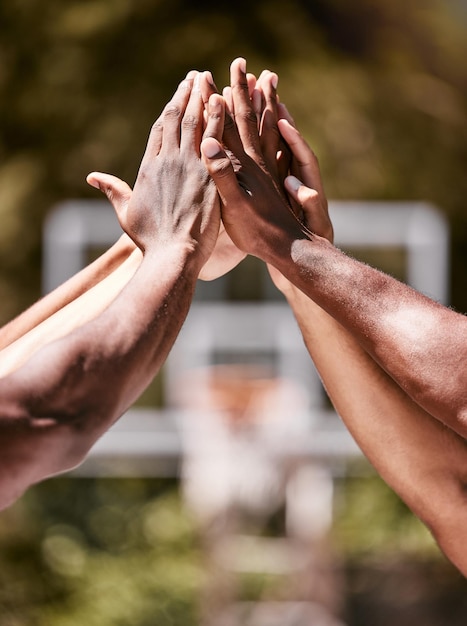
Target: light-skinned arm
[(55, 406), (418, 342), (89, 292), (67, 292)]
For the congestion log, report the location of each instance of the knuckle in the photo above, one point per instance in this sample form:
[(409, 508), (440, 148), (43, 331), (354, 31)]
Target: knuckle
[(229, 124), (248, 115), (190, 122), (172, 111), (157, 126), (220, 168)]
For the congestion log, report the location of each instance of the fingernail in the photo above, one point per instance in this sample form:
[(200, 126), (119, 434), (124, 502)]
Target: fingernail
[(191, 74), (210, 148), (275, 80), (92, 181), (242, 65), (196, 87), (209, 78), (294, 183)]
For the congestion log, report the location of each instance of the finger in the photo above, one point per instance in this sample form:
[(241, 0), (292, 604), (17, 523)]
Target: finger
[(230, 137), (284, 155), (221, 171), (261, 77), (258, 105), (305, 161), (227, 95), (173, 113), (192, 122), (117, 191), (251, 81), (244, 115), (315, 213), (207, 86), (255, 96), (216, 116), (284, 113), (269, 132), (155, 136)]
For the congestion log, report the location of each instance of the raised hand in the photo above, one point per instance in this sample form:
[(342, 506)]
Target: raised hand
[(174, 201), (225, 254), (255, 211)]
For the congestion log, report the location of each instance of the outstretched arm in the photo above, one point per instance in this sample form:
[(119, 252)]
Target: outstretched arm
[(80, 310), (88, 293), (418, 342), (60, 401), (424, 461), (67, 292)]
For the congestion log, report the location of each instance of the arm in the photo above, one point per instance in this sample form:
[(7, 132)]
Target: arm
[(224, 257), (67, 292), (71, 315), (61, 400), (85, 295), (424, 461), (420, 343), (420, 458)]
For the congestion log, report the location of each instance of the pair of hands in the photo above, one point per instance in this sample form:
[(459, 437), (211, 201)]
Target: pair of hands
[(241, 150)]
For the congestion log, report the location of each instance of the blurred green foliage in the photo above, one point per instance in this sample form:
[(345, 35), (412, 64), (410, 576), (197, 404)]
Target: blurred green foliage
[(114, 552), (99, 552)]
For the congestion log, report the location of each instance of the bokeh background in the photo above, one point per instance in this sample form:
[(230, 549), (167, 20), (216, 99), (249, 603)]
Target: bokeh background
[(379, 89)]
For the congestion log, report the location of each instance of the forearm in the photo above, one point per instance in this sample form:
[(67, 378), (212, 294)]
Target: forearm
[(67, 292), (420, 343), (112, 358), (63, 399), (75, 313), (421, 459)]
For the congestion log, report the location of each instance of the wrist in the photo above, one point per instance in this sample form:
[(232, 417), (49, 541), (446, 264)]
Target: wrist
[(304, 262), (176, 259)]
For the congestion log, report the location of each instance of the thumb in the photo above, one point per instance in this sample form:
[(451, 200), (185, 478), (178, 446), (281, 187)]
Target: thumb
[(116, 190), (315, 214), (303, 195), (221, 171)]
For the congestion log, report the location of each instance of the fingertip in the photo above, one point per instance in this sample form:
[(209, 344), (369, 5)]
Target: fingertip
[(239, 63), (287, 130), (92, 179), (209, 78), (293, 184), (211, 148), (285, 114), (283, 121), (215, 100)]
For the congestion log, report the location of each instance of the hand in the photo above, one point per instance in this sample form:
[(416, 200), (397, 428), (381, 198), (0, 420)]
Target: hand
[(290, 158), (255, 211), (174, 202), (225, 255)]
